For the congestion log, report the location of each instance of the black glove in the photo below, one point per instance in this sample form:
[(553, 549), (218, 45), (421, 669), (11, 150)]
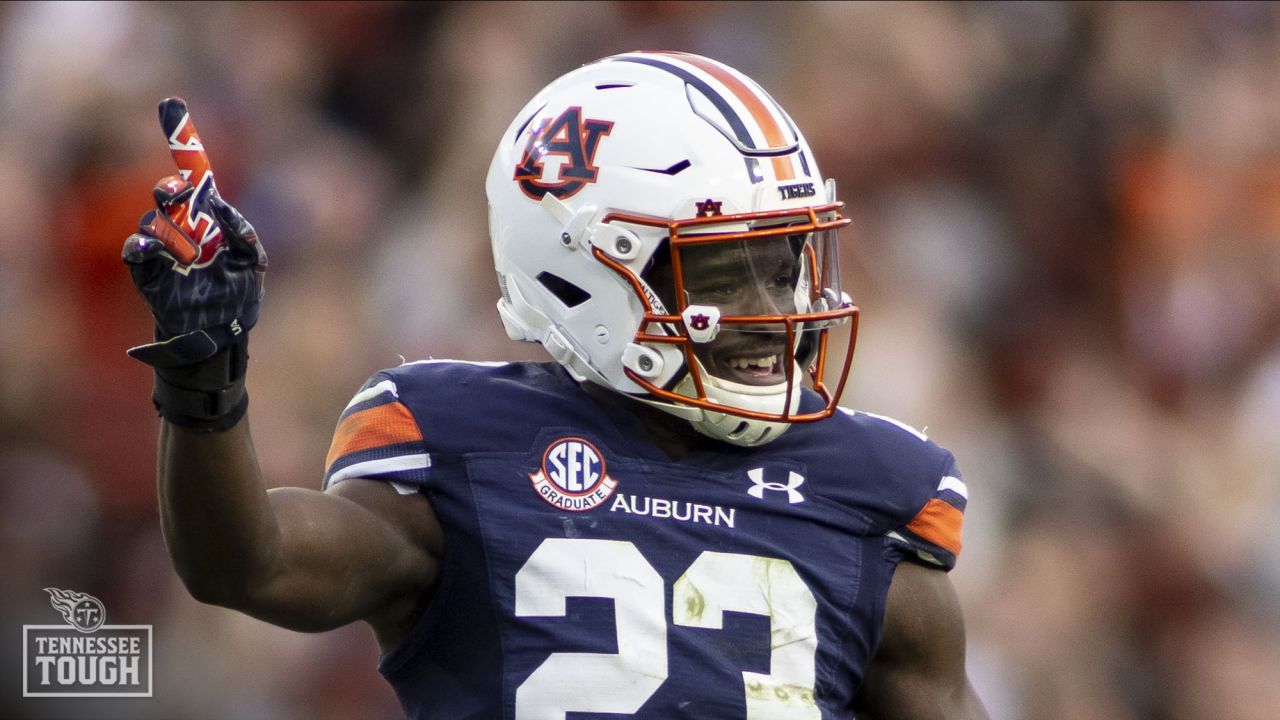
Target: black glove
[(200, 267)]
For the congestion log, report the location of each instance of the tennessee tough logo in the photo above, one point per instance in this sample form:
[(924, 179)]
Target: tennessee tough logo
[(568, 136)]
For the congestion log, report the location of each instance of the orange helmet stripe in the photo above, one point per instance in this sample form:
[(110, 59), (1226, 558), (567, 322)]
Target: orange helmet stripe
[(783, 168)]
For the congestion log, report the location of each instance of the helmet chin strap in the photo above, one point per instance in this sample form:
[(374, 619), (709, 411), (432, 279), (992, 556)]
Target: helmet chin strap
[(741, 431)]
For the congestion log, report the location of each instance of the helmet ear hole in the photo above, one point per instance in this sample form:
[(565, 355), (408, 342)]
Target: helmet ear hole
[(566, 292)]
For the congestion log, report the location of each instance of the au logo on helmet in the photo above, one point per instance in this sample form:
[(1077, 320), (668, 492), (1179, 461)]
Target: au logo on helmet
[(573, 476), (571, 137), (709, 208)]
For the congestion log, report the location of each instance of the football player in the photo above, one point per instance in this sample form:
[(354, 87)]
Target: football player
[(672, 520)]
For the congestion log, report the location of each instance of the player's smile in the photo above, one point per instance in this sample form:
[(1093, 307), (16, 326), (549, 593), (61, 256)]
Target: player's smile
[(745, 357), (743, 279)]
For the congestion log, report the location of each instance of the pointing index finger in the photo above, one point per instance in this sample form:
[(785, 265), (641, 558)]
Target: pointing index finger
[(191, 214), (184, 142)]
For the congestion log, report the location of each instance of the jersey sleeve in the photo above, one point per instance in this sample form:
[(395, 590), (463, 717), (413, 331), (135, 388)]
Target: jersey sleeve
[(378, 438), (933, 536)]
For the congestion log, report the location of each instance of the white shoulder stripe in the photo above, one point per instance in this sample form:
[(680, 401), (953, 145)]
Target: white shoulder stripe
[(370, 393), (385, 465), (923, 555), (437, 361), (918, 433), (955, 485)]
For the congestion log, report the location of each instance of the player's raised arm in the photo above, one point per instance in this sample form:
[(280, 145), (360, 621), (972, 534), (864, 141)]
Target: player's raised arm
[(297, 558)]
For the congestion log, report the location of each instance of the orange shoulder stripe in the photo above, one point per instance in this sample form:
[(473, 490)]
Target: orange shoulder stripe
[(939, 522), (385, 424)]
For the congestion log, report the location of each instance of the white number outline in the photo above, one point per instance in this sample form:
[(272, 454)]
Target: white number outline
[(714, 583), (594, 682), (717, 582)]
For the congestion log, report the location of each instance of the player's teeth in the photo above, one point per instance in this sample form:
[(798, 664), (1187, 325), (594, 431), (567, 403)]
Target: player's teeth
[(762, 362)]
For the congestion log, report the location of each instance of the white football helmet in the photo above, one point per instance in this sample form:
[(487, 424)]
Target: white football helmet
[(613, 196)]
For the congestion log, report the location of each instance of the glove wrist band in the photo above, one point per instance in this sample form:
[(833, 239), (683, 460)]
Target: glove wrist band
[(209, 395)]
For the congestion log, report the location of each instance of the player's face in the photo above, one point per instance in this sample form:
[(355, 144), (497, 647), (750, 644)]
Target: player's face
[(753, 277)]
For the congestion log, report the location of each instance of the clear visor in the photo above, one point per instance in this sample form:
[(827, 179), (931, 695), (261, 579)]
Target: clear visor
[(760, 277), (747, 303), (750, 298)]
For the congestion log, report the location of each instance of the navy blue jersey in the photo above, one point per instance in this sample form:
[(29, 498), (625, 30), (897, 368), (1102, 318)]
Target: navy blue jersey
[(585, 575)]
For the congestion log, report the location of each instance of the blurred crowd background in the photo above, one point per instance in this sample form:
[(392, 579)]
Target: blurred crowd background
[(1065, 245)]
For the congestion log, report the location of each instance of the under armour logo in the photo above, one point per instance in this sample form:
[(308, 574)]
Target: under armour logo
[(794, 480)]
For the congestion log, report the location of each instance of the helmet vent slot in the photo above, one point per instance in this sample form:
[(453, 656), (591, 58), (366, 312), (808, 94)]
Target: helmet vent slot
[(525, 124), (614, 86), (674, 169), (566, 292)]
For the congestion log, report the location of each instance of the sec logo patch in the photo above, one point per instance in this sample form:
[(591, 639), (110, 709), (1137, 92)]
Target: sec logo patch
[(572, 476)]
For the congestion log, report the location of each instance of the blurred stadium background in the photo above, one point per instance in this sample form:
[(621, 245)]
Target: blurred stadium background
[(1066, 246)]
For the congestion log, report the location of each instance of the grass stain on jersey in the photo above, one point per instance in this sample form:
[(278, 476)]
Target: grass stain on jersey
[(694, 604)]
